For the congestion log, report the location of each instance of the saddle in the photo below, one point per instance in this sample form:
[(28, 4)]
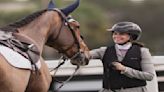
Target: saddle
[(21, 44)]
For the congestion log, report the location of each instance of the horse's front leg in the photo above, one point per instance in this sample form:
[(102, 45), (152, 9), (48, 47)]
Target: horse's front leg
[(40, 82)]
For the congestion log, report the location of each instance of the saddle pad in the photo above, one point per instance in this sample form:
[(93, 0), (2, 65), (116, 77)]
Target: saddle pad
[(17, 60)]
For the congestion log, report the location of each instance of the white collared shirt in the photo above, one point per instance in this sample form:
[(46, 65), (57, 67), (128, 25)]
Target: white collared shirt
[(121, 50)]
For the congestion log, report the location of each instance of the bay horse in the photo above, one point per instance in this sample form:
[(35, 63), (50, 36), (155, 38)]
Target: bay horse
[(46, 27)]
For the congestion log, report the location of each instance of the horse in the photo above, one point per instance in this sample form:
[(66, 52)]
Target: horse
[(50, 27)]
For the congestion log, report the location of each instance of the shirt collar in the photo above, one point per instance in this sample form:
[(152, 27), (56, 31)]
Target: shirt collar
[(125, 46)]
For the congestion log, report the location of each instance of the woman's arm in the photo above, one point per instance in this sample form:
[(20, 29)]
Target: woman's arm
[(147, 72), (98, 53)]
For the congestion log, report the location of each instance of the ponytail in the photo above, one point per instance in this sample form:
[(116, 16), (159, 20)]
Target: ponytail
[(138, 43)]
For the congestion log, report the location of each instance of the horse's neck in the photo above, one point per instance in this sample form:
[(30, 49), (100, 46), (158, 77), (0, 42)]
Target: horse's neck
[(38, 31), (38, 39)]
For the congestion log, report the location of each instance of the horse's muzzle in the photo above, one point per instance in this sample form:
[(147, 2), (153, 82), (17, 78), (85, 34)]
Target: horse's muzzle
[(81, 60)]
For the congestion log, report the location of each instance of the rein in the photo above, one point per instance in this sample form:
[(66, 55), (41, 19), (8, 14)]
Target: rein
[(62, 83)]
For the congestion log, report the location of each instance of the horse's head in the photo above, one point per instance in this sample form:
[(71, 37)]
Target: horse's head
[(54, 28), (66, 37)]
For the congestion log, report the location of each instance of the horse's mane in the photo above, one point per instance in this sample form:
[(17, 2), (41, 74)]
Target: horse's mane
[(28, 19)]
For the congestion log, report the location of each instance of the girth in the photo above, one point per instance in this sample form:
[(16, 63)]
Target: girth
[(21, 44)]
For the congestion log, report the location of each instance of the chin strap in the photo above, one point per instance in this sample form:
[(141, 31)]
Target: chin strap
[(124, 42)]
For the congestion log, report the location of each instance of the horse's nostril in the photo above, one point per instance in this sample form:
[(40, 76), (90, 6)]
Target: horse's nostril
[(86, 61)]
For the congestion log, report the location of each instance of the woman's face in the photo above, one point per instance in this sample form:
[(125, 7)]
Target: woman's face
[(120, 38)]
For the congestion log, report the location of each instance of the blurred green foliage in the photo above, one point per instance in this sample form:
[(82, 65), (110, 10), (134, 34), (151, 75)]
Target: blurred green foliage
[(97, 15), (148, 14), (7, 17)]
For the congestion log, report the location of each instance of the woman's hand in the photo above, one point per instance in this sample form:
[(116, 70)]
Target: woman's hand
[(118, 66)]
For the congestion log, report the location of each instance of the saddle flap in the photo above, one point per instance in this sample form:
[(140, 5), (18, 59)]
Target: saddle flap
[(33, 51)]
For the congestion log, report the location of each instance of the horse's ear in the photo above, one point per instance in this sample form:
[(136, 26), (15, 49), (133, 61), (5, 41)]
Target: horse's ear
[(51, 5), (70, 8)]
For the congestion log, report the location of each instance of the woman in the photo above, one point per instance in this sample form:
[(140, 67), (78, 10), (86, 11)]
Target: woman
[(127, 64)]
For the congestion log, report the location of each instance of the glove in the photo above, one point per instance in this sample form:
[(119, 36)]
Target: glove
[(118, 66)]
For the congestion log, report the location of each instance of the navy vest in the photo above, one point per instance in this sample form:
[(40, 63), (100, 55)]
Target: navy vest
[(112, 78)]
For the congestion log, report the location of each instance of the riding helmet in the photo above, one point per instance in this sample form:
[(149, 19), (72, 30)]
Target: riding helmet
[(127, 27)]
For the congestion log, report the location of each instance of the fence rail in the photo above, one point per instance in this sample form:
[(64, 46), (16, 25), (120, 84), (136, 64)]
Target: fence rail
[(95, 68)]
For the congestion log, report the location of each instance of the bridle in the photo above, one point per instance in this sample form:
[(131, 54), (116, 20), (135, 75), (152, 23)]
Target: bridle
[(65, 23), (63, 58)]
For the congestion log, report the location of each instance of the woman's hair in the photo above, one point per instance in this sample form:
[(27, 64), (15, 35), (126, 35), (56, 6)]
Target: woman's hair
[(138, 43)]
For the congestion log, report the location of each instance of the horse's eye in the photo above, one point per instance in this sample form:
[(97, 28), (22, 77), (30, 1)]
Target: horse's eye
[(81, 37), (78, 27)]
